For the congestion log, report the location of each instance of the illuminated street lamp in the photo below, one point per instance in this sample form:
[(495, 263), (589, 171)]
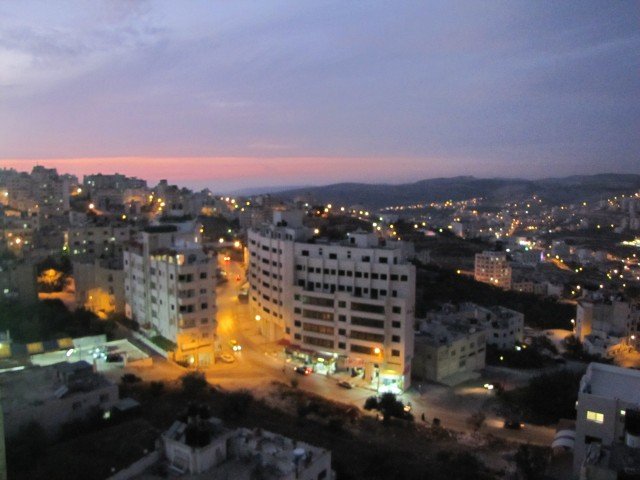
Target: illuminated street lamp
[(258, 318)]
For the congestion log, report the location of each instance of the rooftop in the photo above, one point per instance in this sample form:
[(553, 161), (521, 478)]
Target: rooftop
[(37, 385), (612, 382)]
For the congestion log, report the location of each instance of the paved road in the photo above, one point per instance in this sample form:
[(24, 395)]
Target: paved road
[(260, 363)]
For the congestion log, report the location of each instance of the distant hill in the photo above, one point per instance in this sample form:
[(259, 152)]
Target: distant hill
[(555, 190)]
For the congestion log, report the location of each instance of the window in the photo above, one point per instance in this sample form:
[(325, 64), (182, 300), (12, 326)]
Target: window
[(395, 324), (367, 307), (311, 327), (305, 253), (395, 338), (395, 353), (595, 417), (342, 304), (203, 274), (369, 337), (320, 342), (383, 260), (367, 322), (396, 309)]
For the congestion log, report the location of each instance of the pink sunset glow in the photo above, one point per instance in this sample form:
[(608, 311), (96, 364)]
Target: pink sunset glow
[(238, 172)]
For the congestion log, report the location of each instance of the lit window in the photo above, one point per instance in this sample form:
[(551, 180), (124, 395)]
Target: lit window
[(595, 416)]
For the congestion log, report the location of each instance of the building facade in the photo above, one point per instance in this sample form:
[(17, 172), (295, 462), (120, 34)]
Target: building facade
[(607, 440), (346, 305), (493, 268), (170, 289)]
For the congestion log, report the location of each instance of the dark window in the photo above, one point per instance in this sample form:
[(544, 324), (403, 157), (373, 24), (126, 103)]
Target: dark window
[(395, 353), (395, 338), (367, 322)]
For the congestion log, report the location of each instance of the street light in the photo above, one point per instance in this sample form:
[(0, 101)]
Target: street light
[(258, 318)]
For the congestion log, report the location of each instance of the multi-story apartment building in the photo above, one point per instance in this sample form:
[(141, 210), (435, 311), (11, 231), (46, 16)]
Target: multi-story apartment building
[(99, 285), (493, 268), (97, 238), (170, 289), (340, 305), (607, 440), (604, 323)]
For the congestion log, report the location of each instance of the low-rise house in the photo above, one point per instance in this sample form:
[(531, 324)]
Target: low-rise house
[(504, 327), (54, 395), (201, 447), (448, 352)]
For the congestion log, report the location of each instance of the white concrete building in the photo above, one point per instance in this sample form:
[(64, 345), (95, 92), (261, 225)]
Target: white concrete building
[(204, 448), (170, 289), (343, 305), (608, 423), (493, 268), (504, 327), (603, 324), (449, 352), (95, 239)]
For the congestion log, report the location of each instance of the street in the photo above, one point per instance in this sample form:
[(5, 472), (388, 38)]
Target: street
[(259, 364)]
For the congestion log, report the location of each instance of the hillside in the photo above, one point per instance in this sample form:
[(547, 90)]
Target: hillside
[(554, 190)]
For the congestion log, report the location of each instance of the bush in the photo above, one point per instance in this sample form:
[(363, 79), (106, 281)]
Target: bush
[(156, 388), (193, 383), (476, 420), (531, 461), (236, 404), (130, 378)]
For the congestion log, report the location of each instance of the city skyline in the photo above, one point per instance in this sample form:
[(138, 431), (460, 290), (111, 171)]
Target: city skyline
[(228, 97)]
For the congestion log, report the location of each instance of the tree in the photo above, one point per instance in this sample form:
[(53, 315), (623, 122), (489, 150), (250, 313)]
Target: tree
[(531, 461), (236, 404), (193, 383), (389, 406)]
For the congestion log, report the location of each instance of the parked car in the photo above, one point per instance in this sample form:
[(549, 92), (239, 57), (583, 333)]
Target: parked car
[(227, 358), (303, 370), (345, 384), (513, 424)]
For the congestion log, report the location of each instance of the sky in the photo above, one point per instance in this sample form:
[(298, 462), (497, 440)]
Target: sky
[(236, 94)]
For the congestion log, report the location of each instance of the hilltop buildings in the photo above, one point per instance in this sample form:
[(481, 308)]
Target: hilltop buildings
[(339, 305)]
